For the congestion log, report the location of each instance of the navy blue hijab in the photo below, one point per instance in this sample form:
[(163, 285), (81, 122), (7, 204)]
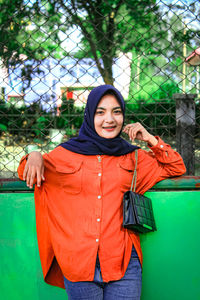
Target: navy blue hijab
[(88, 141)]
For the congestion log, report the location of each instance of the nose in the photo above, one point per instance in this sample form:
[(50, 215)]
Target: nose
[(109, 118)]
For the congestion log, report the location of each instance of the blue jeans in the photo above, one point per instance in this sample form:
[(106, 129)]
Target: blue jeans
[(128, 287)]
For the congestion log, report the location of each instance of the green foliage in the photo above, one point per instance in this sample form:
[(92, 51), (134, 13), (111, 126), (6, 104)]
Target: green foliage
[(107, 28), (3, 128), (28, 32), (165, 90), (70, 132), (33, 123), (14, 123), (41, 126), (24, 121), (156, 88), (70, 119), (36, 30), (157, 117), (154, 37), (12, 14), (153, 106), (26, 29)]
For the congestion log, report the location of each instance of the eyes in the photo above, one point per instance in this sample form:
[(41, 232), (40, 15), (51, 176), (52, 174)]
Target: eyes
[(101, 112)]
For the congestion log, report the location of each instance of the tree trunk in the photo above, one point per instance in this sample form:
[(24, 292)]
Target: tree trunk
[(107, 73), (108, 80)]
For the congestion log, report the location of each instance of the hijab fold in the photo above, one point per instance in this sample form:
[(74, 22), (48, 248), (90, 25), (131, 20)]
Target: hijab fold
[(88, 141)]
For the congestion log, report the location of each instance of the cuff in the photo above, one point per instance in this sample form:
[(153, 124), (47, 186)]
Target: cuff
[(159, 146), (25, 157)]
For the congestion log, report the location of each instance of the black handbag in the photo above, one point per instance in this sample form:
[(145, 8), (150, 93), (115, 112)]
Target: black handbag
[(137, 209)]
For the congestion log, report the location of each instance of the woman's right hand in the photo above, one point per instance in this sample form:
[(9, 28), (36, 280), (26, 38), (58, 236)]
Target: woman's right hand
[(34, 169)]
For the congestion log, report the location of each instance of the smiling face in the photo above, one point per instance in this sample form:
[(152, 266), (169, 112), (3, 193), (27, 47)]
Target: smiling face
[(108, 118)]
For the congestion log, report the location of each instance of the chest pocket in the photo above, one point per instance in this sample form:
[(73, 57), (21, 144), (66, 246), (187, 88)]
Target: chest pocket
[(126, 169), (70, 177)]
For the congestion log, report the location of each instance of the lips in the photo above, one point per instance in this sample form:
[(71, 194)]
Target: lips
[(109, 128)]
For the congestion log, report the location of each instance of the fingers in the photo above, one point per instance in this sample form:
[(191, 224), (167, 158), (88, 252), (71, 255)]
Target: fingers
[(30, 177), (25, 172), (42, 173), (130, 130), (40, 176), (34, 170), (32, 174), (136, 131)]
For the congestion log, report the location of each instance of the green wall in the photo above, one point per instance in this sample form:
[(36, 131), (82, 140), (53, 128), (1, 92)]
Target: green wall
[(171, 269), (20, 271)]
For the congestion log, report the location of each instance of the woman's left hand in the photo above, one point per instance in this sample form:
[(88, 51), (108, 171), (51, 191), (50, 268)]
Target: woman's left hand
[(137, 131)]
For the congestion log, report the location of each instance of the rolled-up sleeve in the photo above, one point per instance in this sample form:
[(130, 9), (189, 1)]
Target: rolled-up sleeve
[(159, 163), (21, 166)]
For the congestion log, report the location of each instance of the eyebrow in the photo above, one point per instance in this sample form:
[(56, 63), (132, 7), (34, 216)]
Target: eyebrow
[(103, 108)]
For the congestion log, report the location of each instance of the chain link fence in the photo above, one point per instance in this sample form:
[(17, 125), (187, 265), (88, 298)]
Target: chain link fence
[(54, 52)]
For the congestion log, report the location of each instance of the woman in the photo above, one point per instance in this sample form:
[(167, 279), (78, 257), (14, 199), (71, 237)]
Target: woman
[(83, 246)]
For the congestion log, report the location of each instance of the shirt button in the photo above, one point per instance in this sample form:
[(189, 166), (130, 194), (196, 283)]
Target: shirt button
[(99, 174), (98, 220), (99, 158), (161, 146), (97, 240), (99, 197)]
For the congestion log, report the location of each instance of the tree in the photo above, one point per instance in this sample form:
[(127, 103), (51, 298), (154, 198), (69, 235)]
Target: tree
[(182, 37), (28, 32), (103, 25), (159, 63)]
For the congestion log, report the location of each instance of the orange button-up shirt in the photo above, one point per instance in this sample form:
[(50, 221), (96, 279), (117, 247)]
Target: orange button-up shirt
[(79, 210)]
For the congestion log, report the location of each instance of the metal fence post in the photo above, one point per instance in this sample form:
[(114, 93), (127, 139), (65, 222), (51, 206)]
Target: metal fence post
[(185, 129)]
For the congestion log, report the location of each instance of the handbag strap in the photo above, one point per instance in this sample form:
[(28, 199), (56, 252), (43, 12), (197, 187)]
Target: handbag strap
[(135, 173)]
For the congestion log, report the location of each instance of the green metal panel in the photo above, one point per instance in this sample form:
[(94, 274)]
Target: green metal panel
[(183, 182), (13, 185), (171, 255), (20, 271)]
